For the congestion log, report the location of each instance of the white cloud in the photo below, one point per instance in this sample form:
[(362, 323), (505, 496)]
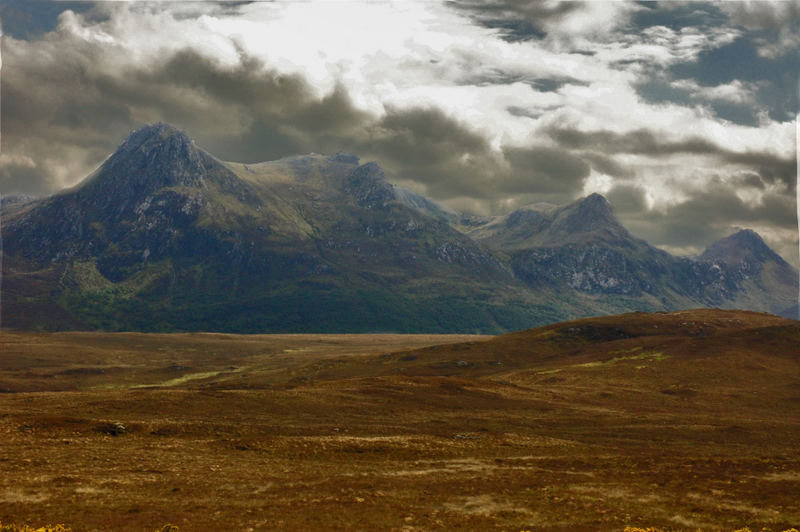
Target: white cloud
[(736, 91), (597, 182), (400, 55), (779, 16), (408, 54)]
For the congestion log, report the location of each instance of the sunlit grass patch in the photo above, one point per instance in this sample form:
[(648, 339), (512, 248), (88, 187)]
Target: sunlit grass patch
[(27, 528), (649, 355)]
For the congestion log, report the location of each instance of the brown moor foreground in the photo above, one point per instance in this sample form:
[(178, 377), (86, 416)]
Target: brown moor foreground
[(679, 421)]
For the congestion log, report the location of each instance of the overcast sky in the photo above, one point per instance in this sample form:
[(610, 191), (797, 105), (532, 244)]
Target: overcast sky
[(683, 114)]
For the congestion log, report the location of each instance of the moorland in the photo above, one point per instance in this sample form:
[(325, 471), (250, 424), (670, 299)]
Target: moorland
[(682, 421)]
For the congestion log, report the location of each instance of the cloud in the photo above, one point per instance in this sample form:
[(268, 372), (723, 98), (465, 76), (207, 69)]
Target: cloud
[(544, 170), (736, 91), (559, 22), (776, 22), (770, 167), (666, 101), (690, 226)]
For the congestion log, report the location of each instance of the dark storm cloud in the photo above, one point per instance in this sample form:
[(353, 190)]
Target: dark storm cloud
[(433, 149), (749, 179), (59, 98), (641, 141), (544, 169), (607, 165), (18, 178), (427, 146), (704, 217), (771, 168), (246, 112), (285, 116), (723, 205), (627, 199)]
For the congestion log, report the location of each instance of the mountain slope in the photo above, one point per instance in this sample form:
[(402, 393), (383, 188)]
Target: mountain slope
[(750, 274), (164, 236), (582, 247)]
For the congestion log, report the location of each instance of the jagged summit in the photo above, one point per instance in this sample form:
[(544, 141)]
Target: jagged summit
[(587, 214), (155, 157), (590, 217), (154, 132), (595, 201), (543, 225), (748, 238), (743, 246), (368, 185)]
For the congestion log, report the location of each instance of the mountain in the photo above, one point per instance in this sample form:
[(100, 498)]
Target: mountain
[(748, 272), (582, 247), (744, 249), (589, 219), (164, 236)]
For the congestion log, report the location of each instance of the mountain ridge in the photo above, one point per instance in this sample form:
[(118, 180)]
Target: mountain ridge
[(164, 236)]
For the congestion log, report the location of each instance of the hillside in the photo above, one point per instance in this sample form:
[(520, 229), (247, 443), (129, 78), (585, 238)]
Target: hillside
[(163, 236), (684, 349), (582, 247)]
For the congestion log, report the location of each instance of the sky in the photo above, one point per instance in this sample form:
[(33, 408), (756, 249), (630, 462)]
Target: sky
[(683, 114)]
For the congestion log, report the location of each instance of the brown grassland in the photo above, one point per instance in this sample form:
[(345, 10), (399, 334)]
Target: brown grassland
[(681, 421)]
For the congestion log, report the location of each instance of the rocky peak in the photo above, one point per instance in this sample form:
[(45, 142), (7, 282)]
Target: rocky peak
[(151, 134), (156, 157), (591, 214), (368, 185), (345, 158), (745, 246), (594, 206)]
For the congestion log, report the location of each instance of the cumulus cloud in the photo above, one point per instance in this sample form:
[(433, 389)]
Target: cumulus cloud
[(452, 100), (776, 20), (560, 23), (736, 91)]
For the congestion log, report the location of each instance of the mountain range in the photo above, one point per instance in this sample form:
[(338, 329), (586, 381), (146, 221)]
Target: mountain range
[(164, 236)]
